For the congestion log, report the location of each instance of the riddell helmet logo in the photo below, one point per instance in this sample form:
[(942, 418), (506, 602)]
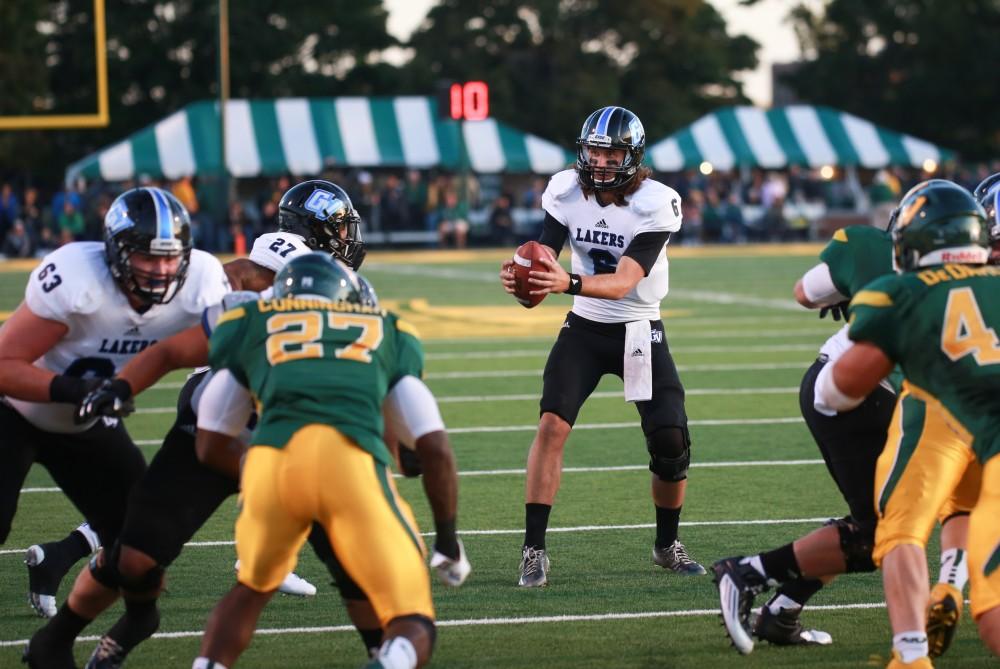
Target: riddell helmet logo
[(962, 256)]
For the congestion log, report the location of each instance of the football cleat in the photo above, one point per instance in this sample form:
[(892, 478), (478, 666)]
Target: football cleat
[(675, 558), (451, 572), (943, 614), (43, 583), (920, 663), (107, 655), (738, 584), (292, 585), (785, 629), (534, 568)]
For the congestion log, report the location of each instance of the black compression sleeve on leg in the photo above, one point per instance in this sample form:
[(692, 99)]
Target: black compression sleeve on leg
[(536, 521), (667, 521), (780, 564)]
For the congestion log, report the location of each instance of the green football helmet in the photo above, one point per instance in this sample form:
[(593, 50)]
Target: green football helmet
[(940, 223), (317, 275)]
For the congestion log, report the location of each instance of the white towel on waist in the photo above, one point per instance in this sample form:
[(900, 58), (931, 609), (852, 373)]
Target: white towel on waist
[(638, 362)]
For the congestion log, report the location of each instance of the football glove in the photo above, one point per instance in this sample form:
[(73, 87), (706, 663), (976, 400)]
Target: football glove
[(837, 311), (112, 398), (409, 462), (451, 571)]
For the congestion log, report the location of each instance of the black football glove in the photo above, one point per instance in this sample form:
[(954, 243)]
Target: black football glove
[(112, 398), (837, 311), (409, 462)]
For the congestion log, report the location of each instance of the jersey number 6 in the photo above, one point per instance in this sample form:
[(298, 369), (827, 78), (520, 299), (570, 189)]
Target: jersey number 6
[(295, 336)]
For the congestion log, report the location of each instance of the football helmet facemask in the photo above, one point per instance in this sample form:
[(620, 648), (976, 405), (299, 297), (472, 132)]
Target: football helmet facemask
[(939, 223), (610, 128), (322, 214), (318, 275), (151, 222), (987, 193)]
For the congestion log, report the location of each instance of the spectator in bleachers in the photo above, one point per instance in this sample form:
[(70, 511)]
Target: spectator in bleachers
[(393, 207), (9, 208), (269, 208), (532, 198), (17, 243), (66, 193), (70, 223), (453, 221), (32, 216), (501, 222), (239, 232), (416, 199), (712, 217)]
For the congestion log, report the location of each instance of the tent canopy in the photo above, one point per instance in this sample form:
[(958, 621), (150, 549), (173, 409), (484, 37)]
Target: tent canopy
[(301, 136), (795, 135)]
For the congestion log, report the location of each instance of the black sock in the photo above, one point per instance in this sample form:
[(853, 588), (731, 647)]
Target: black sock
[(140, 620), (780, 564), (64, 627), (536, 521), (372, 640), (63, 554), (667, 521), (799, 590)]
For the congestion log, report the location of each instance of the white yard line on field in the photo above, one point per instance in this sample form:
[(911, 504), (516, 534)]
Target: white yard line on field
[(540, 352), (789, 420), (604, 394), (579, 528), (588, 470), (511, 373), (473, 622)]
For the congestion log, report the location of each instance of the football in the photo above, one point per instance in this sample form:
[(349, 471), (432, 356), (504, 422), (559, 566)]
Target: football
[(525, 260)]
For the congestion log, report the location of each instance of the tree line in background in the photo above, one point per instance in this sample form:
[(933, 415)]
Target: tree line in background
[(926, 67)]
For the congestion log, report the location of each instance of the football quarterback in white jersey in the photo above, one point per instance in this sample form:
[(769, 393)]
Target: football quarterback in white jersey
[(618, 222)]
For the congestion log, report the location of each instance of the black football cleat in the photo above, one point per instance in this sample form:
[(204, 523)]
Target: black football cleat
[(785, 629)]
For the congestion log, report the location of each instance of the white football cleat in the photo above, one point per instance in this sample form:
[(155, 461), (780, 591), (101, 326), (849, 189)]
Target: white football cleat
[(292, 585), (452, 572), (39, 583)]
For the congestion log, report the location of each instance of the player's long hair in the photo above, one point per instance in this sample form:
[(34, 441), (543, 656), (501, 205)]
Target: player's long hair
[(619, 195)]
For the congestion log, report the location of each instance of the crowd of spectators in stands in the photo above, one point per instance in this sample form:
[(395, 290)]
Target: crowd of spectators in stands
[(453, 210)]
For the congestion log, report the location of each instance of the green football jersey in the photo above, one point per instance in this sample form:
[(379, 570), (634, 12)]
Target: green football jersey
[(857, 255), (312, 361), (940, 325)]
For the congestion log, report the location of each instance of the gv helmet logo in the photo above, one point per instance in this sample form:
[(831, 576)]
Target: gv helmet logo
[(324, 204)]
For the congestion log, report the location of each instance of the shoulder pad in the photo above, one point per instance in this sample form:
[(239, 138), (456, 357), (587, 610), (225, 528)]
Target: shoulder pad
[(562, 184), (273, 250), (651, 197), (73, 279), (206, 283)]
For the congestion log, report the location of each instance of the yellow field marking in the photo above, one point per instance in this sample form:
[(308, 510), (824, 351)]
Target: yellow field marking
[(447, 322)]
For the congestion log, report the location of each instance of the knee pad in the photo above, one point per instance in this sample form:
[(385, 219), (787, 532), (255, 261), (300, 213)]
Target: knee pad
[(857, 541), (104, 567), (424, 622), (669, 453), (148, 583)]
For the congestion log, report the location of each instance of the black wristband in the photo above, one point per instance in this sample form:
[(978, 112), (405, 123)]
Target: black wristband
[(67, 389), (575, 285), (445, 539)]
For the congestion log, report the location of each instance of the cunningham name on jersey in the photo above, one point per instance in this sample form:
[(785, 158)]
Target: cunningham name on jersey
[(73, 286), (599, 236)]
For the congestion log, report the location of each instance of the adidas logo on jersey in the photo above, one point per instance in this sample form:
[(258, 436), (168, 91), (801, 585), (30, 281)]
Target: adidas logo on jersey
[(132, 332), (637, 353), (601, 225)]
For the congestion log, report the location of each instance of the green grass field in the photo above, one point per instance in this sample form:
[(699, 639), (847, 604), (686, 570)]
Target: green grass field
[(757, 481)]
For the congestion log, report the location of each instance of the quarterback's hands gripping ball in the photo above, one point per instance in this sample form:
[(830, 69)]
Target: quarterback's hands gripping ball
[(112, 398), (516, 272), (451, 572)]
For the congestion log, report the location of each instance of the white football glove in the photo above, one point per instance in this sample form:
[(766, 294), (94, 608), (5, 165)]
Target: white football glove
[(451, 572)]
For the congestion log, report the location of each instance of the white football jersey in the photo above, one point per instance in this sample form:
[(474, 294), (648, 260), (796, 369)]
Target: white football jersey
[(73, 285), (598, 237), (273, 249)]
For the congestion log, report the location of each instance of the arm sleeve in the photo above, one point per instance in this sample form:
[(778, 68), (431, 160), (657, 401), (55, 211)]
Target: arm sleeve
[(819, 288), (554, 233), (875, 316), (224, 344), (645, 248), (225, 405), (412, 411)]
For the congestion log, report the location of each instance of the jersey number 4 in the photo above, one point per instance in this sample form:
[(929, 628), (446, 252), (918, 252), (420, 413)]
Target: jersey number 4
[(296, 336), (965, 332)]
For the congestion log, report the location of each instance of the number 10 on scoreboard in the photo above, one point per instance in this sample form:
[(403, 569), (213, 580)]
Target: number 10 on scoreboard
[(469, 101)]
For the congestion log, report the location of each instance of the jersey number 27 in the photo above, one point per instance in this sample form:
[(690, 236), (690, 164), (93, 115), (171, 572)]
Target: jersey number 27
[(296, 336)]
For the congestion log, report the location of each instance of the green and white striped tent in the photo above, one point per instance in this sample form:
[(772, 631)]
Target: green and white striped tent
[(301, 136), (795, 135)]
